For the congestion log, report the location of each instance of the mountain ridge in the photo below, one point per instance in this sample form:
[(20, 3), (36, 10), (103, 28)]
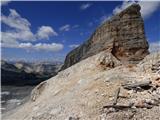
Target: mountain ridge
[(22, 73)]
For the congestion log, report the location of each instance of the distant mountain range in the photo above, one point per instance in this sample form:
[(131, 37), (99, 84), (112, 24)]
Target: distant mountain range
[(22, 73)]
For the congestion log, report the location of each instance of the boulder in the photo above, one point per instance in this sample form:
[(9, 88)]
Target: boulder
[(150, 63)]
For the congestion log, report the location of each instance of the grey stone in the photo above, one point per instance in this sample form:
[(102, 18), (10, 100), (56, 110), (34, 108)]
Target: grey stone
[(123, 36)]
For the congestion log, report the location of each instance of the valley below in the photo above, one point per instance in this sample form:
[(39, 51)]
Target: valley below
[(20, 78), (14, 96)]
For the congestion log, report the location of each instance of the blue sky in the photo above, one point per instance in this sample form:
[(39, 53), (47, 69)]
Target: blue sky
[(38, 31)]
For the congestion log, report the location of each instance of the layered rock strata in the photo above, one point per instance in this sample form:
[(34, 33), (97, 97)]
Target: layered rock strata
[(123, 36)]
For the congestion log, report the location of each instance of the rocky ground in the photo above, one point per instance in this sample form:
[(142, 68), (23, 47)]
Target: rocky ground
[(88, 91)]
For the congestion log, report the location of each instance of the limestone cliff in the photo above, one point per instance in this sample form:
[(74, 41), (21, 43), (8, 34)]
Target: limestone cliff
[(123, 36)]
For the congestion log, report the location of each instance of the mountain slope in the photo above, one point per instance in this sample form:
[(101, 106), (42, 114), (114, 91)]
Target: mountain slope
[(82, 90)]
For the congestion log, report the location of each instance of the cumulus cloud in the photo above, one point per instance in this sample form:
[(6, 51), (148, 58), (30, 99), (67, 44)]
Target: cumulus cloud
[(65, 28), (49, 47), (73, 45), (6, 37), (154, 47), (22, 29), (44, 32), (19, 34), (54, 47), (5, 2), (14, 20), (24, 45), (147, 7), (85, 6)]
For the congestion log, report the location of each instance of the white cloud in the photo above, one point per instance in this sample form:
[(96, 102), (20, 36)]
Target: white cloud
[(104, 18), (54, 47), (154, 47), (5, 2), (147, 7), (65, 28), (49, 47), (25, 45), (7, 38), (75, 26), (44, 32), (19, 34), (68, 27), (14, 20), (20, 28), (85, 6), (124, 5), (73, 45)]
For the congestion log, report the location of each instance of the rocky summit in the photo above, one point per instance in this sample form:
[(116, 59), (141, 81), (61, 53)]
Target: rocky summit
[(123, 36)]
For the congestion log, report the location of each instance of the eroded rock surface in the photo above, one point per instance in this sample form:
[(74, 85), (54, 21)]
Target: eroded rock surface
[(123, 36), (150, 63), (82, 90)]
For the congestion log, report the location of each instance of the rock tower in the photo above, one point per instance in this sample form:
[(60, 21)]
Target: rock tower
[(123, 36)]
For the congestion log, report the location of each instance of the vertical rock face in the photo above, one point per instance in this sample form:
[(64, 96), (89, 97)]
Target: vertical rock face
[(123, 36)]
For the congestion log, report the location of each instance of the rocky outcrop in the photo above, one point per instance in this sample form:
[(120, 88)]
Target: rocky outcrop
[(38, 90), (150, 63), (82, 90), (123, 36)]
